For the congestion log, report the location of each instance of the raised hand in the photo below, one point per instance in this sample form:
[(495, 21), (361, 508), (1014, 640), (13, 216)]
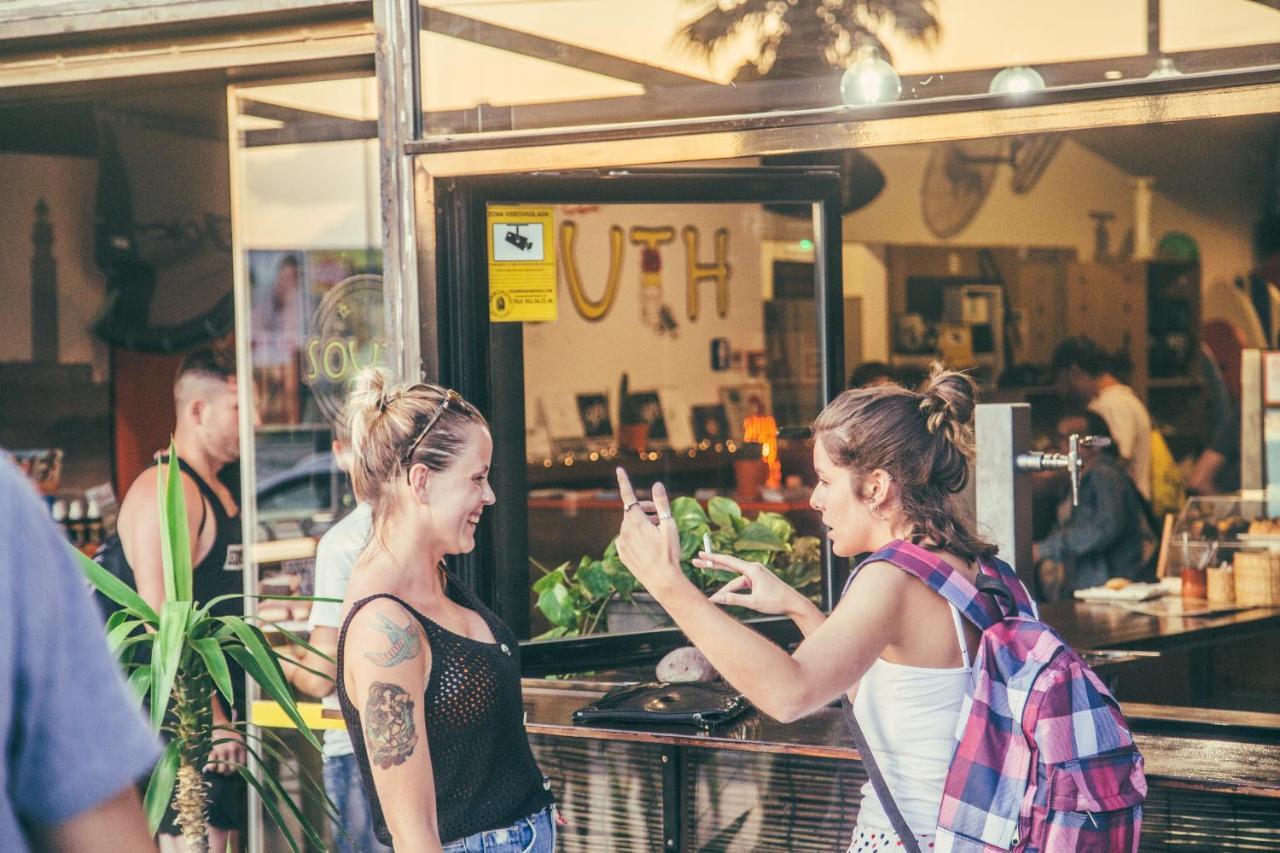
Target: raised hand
[(649, 545), (755, 587)]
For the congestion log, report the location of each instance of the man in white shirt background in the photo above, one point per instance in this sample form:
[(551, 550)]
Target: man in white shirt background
[(1089, 372)]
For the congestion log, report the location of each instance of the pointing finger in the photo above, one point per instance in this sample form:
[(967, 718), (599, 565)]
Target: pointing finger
[(624, 488)]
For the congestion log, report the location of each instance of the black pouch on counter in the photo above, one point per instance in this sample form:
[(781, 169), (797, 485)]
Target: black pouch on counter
[(701, 704)]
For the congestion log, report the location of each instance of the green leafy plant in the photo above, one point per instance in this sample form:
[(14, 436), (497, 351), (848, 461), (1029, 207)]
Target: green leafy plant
[(575, 599), (176, 660)]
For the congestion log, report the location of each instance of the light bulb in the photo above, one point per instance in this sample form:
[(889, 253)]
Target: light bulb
[(1017, 80), (1164, 68), (869, 80)]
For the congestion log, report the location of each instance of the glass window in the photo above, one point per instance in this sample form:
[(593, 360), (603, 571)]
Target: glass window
[(310, 242), (685, 340), (538, 64)]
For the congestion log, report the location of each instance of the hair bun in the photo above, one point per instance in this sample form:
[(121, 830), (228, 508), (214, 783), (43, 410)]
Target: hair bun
[(949, 400)]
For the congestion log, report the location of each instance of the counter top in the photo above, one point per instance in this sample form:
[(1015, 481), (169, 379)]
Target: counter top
[(1095, 625)]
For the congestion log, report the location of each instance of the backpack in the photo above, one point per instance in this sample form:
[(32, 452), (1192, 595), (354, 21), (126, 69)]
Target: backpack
[(1044, 760)]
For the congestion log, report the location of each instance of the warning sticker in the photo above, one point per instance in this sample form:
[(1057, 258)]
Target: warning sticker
[(522, 263)]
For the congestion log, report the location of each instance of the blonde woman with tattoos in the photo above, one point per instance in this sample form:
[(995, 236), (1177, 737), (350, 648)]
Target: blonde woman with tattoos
[(428, 678)]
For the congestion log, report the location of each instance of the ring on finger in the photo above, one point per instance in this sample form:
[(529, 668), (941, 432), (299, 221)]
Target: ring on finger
[(629, 506), (663, 516)]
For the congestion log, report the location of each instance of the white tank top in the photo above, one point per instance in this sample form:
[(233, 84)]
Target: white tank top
[(909, 716)]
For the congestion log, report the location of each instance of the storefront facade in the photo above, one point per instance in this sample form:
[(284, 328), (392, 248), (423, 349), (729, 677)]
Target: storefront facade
[(700, 190)]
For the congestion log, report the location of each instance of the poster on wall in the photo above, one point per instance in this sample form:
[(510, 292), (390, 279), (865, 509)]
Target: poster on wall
[(296, 345), (277, 331), (649, 404), (710, 423), (593, 410), (678, 417), (739, 401), (522, 263), (564, 426)]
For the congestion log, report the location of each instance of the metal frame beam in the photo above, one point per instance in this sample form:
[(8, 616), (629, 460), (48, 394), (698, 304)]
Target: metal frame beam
[(441, 22), (1208, 96)]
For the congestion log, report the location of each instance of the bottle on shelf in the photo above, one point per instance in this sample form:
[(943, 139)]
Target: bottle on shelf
[(58, 512), (75, 522)]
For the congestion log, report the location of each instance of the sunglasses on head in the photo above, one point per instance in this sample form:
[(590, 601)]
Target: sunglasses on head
[(450, 397)]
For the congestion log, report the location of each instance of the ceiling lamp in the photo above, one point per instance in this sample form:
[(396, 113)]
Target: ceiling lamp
[(869, 80), (1017, 80), (1164, 68)]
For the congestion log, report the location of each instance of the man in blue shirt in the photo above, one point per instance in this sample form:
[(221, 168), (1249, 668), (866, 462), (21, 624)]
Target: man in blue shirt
[(1103, 537), (75, 743)]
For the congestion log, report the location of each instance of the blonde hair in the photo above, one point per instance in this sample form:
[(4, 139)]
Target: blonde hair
[(385, 419), (923, 439)]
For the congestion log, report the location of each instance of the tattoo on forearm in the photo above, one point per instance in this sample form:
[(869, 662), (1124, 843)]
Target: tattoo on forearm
[(404, 643), (388, 725)]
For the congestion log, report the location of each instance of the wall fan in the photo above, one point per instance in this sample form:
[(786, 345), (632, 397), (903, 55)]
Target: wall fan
[(959, 176)]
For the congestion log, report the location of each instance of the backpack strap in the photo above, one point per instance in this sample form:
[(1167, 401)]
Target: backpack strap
[(983, 603), (890, 806)]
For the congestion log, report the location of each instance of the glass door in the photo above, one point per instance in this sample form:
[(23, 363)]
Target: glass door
[(686, 325)]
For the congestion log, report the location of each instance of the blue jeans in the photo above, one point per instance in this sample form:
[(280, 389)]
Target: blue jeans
[(342, 784), (533, 834)]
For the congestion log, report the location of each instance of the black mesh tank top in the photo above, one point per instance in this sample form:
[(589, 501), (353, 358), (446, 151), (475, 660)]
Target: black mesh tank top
[(484, 771)]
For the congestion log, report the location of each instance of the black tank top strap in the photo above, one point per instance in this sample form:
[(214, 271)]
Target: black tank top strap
[(211, 498)]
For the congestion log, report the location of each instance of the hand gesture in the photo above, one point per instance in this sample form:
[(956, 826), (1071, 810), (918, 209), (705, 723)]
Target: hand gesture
[(755, 587), (649, 545)]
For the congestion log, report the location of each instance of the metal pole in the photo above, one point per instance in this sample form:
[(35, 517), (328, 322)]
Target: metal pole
[(395, 25), (1003, 493), (1251, 420), (243, 299)]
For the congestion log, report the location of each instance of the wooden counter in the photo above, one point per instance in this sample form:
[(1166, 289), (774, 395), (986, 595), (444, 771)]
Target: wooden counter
[(1220, 764), (1093, 625)]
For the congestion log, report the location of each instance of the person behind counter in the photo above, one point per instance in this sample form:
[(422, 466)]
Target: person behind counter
[(313, 672), (889, 461), (428, 678), (1103, 537), (206, 438), (1089, 372)]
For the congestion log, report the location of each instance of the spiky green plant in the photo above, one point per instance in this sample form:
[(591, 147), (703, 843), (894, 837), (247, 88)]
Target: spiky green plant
[(187, 662)]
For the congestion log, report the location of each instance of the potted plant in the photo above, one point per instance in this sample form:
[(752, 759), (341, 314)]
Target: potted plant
[(601, 594), (176, 659), (633, 428)]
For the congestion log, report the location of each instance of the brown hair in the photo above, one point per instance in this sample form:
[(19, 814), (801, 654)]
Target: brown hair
[(385, 420), (924, 440)]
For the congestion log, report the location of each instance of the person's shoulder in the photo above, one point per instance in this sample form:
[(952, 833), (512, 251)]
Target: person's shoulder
[(368, 616), (379, 622), (881, 575)]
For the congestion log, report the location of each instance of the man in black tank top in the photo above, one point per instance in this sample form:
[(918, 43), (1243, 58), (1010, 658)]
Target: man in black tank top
[(207, 439)]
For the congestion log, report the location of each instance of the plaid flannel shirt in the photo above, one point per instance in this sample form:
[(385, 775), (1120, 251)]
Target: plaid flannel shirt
[(1044, 760)]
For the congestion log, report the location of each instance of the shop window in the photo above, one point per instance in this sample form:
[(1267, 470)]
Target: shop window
[(309, 242), (681, 324)]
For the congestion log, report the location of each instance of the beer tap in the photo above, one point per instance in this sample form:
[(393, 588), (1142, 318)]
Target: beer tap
[(1039, 460)]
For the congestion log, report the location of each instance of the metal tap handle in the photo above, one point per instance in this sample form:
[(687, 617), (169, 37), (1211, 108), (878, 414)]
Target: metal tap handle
[(1069, 461)]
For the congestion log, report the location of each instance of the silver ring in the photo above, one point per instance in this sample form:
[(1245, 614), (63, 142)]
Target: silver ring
[(663, 516), (628, 507)]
